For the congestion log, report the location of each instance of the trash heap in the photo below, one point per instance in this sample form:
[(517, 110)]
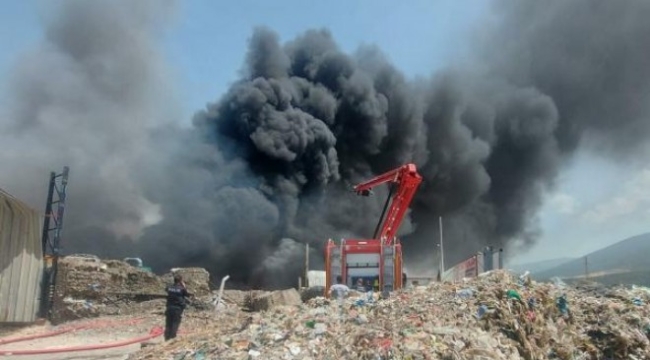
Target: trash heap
[(91, 287), (196, 279), (496, 316), (241, 298), (259, 300), (267, 301)]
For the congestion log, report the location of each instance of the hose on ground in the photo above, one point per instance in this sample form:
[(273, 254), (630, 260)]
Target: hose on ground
[(63, 330), (155, 332)]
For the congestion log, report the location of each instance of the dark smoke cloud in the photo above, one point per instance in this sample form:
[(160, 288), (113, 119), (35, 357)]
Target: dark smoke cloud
[(307, 121), (268, 166), (489, 141)]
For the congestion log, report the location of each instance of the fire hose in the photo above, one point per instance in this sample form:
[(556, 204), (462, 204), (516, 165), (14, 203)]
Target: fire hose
[(90, 325), (155, 332)]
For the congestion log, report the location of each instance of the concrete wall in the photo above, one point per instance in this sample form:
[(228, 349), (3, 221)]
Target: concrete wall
[(21, 260)]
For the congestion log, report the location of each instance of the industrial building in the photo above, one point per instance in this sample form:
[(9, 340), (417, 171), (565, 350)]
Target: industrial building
[(21, 260), (30, 252)]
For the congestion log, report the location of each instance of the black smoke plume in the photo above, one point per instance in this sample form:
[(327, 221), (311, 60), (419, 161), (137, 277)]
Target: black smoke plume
[(307, 121), (268, 166)]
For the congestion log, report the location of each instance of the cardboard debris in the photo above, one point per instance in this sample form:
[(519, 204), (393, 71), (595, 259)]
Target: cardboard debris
[(196, 279), (273, 299), (309, 293), (90, 287), (493, 317), (241, 298)]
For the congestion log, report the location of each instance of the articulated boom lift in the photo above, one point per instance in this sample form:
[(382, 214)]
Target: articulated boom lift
[(378, 259)]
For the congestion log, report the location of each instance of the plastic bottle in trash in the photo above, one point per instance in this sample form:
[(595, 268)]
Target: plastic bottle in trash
[(563, 304), (523, 278), (465, 293), (513, 294), (481, 311), (531, 303)]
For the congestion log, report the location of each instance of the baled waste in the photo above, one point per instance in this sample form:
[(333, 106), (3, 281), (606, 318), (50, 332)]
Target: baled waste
[(90, 287), (495, 316)]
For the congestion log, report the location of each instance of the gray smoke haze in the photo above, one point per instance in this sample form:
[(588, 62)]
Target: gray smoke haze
[(268, 166), (591, 57), (86, 97)]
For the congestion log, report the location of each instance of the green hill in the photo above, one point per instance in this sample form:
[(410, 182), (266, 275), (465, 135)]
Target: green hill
[(625, 257), (538, 266)]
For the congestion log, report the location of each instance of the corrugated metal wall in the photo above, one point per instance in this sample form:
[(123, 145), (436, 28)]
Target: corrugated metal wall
[(21, 260), (464, 269), (474, 266)]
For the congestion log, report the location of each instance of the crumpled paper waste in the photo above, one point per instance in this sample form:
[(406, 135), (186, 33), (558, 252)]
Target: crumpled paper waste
[(90, 287), (495, 316)]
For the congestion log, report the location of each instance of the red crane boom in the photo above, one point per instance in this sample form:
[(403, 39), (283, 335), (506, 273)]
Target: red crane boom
[(407, 180)]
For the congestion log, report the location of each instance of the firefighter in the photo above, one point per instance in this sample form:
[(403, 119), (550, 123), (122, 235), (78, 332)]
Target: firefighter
[(177, 296), (360, 287), (340, 291), (370, 296)]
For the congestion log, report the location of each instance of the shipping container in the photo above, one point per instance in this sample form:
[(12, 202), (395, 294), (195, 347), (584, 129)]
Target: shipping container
[(21, 260)]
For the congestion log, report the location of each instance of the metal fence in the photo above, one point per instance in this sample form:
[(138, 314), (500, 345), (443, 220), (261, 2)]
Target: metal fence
[(21, 260)]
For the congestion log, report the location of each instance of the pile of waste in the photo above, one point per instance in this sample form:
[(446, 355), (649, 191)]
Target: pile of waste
[(260, 300), (241, 298), (196, 279), (496, 316), (89, 287), (267, 301)]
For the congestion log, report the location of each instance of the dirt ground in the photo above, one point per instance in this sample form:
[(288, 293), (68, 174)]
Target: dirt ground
[(106, 354), (108, 334)]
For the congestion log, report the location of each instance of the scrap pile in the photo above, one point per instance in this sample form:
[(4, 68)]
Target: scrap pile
[(196, 279), (90, 287), (241, 298), (267, 301), (496, 316), (259, 300)]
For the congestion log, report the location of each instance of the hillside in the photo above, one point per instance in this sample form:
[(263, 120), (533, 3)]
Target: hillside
[(539, 266), (629, 255), (639, 278)]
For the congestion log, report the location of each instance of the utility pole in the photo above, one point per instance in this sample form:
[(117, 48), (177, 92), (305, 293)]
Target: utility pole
[(442, 249), (586, 268), (307, 265)]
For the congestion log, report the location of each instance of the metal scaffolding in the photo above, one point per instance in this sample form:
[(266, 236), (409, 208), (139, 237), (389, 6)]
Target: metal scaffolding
[(52, 226)]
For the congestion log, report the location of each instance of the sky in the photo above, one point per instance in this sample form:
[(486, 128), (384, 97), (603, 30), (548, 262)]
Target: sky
[(596, 202)]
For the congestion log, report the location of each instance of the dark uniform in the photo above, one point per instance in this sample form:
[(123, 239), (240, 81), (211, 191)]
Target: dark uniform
[(176, 303)]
